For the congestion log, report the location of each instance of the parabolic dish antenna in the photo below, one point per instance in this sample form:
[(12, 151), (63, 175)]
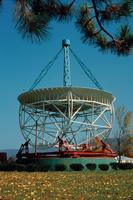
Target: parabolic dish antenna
[(76, 115)]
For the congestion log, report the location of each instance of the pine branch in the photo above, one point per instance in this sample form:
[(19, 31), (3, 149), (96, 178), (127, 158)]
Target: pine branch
[(51, 8), (124, 41), (1, 1), (117, 11), (33, 18), (99, 22), (31, 23), (65, 11)]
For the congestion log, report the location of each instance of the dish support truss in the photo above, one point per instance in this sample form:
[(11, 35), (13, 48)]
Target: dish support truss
[(75, 120)]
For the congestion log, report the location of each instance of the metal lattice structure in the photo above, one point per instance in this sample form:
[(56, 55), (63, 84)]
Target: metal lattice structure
[(77, 115), (67, 76), (72, 114)]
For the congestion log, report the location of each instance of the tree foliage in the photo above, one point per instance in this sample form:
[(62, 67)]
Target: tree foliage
[(127, 145), (124, 120), (125, 133), (93, 18), (0, 3)]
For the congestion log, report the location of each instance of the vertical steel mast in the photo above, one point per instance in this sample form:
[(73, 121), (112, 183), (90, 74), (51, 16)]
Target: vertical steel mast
[(67, 76)]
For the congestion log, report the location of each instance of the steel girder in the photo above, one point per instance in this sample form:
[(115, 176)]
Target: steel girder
[(74, 120)]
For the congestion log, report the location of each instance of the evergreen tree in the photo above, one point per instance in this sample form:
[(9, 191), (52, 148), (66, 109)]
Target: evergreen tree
[(93, 18)]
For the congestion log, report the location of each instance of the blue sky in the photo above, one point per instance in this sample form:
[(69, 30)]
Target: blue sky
[(21, 61)]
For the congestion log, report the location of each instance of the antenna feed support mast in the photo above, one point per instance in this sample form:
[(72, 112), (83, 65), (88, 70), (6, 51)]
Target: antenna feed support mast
[(67, 75)]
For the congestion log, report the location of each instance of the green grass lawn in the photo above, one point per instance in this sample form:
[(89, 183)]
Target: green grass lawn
[(66, 185)]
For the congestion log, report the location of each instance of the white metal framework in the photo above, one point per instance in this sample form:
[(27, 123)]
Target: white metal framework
[(76, 115)]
